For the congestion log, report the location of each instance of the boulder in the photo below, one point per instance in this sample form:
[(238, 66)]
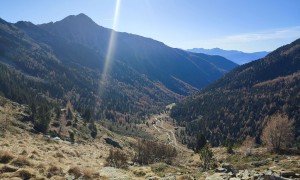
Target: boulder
[(130, 163), (229, 168), (56, 139), (246, 175), (171, 177), (220, 170), (217, 176), (151, 178), (113, 173), (287, 174)]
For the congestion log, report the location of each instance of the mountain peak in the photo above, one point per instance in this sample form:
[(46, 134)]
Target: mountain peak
[(80, 18)]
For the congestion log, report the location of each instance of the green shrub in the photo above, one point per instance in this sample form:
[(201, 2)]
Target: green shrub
[(41, 119), (93, 129), (72, 137), (206, 156)]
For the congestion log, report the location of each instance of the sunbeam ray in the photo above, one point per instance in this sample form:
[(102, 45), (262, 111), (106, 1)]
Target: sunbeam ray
[(110, 50)]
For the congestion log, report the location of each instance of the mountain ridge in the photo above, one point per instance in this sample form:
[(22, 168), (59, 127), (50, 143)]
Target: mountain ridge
[(138, 52), (237, 104), (66, 62), (236, 56)]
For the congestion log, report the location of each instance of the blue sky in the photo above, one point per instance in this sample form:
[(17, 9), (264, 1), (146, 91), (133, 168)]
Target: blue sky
[(247, 25)]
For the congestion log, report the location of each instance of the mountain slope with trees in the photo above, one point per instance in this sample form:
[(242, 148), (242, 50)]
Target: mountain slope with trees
[(239, 103), (57, 62)]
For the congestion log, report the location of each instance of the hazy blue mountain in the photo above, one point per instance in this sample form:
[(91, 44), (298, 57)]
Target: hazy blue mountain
[(238, 57)]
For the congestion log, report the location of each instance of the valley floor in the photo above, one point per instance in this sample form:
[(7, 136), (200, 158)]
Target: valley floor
[(26, 155)]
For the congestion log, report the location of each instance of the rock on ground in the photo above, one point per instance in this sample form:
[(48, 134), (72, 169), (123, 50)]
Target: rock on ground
[(113, 173)]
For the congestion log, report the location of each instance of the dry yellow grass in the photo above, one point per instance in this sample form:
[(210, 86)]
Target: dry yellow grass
[(34, 151), (26, 155), (21, 162)]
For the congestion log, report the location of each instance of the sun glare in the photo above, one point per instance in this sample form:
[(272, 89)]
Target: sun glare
[(111, 47)]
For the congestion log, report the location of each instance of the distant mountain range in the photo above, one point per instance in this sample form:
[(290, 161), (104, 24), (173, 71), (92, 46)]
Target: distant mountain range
[(237, 104), (61, 61), (238, 57)]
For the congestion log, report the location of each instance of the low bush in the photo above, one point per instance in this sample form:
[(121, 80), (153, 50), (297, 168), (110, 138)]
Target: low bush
[(248, 146), (148, 152), (117, 158)]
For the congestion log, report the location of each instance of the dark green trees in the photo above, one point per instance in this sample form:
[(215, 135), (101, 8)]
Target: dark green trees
[(200, 142), (206, 156), (41, 118)]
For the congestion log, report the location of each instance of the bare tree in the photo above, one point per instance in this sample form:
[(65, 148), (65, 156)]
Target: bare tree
[(278, 133), (248, 145)]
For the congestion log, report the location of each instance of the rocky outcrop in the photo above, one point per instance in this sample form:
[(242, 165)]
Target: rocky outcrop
[(226, 171)]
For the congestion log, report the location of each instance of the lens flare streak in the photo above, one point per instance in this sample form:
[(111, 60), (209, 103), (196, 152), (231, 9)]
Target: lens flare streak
[(111, 46)]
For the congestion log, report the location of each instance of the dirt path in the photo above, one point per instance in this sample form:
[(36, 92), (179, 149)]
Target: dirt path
[(170, 134)]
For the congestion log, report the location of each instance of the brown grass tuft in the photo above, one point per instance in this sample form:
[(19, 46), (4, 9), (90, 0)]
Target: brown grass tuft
[(53, 171), (24, 152), (24, 173), (35, 152), (5, 157), (21, 162), (76, 171), (58, 155), (5, 169), (88, 174), (41, 168)]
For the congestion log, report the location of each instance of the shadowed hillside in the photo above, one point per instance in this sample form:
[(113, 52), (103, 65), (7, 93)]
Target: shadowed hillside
[(238, 104)]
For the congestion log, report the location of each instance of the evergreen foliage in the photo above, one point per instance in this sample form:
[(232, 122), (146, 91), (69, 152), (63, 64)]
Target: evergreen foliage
[(206, 156), (200, 142), (41, 118), (236, 105)]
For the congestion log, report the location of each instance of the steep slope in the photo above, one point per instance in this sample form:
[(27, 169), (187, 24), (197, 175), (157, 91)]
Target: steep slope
[(61, 61), (236, 105), (157, 61), (32, 73), (238, 57)]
